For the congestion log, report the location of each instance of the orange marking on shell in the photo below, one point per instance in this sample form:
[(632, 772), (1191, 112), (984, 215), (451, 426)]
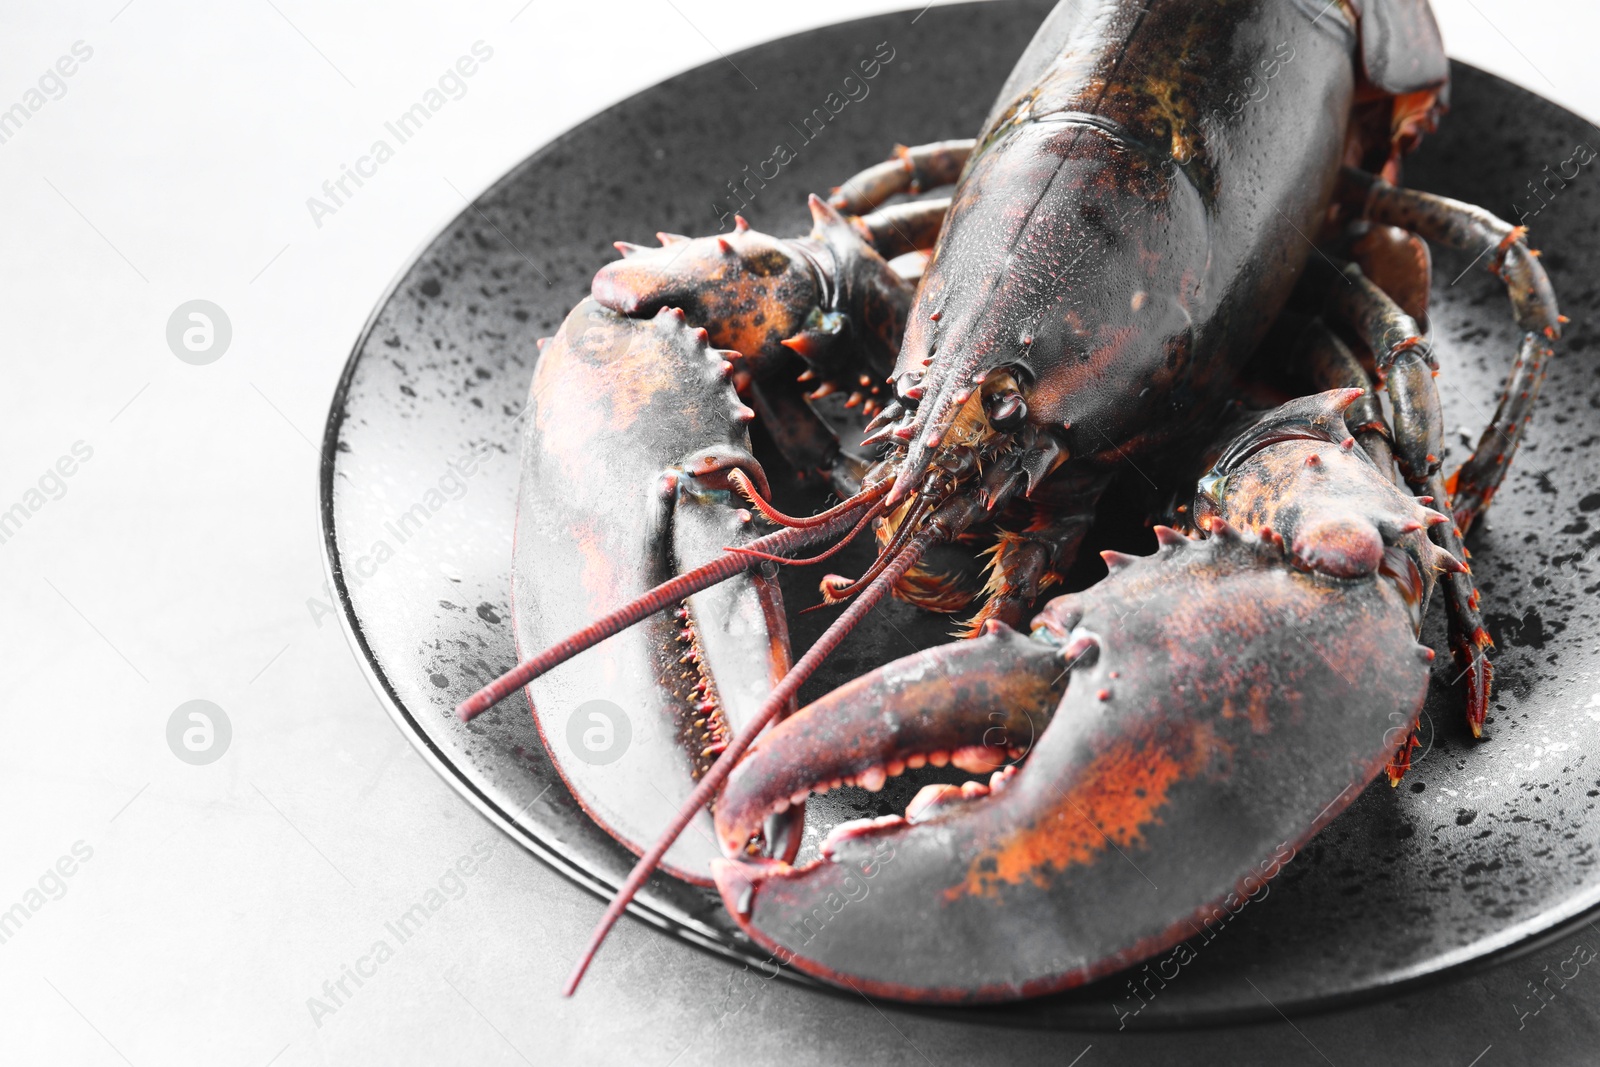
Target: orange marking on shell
[(597, 576), (1113, 799), (1257, 707), (635, 385)]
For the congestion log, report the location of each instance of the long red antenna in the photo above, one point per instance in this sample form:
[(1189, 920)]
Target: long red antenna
[(838, 592), (741, 481), (775, 702), (871, 513), (663, 595)]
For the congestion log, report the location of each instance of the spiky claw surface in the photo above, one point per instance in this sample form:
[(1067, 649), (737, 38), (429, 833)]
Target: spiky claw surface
[(1221, 705), (825, 307), (632, 430)]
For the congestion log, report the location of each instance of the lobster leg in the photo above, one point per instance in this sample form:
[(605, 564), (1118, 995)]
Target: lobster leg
[(906, 233), (1332, 365), (1399, 263), (902, 228), (1023, 564), (910, 170), (1405, 361), (802, 437), (1026, 563), (1469, 228)]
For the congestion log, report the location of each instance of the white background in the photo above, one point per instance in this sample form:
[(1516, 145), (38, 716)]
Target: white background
[(182, 561)]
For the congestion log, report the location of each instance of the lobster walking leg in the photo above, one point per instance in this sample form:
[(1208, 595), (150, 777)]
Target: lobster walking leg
[(910, 170), (1405, 360), (1503, 246), (805, 441), (902, 228), (1022, 565), (1332, 365), (1399, 263), (1026, 563)]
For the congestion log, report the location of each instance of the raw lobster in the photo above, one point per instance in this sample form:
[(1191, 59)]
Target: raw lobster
[(1137, 211)]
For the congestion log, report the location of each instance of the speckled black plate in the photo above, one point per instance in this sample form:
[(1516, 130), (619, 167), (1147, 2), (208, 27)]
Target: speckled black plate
[(1486, 849)]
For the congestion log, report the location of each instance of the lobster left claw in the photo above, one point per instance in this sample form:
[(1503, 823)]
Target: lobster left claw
[(633, 432), (1223, 701)]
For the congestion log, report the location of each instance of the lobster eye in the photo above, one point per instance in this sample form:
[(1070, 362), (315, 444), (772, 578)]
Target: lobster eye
[(1007, 411), (908, 387)]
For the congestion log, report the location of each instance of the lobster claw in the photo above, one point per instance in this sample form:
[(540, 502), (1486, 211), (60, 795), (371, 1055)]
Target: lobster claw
[(633, 430), (978, 704), (749, 290), (827, 302), (1220, 706)]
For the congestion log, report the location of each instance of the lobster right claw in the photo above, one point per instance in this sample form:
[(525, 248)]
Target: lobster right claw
[(978, 704), (1221, 707)]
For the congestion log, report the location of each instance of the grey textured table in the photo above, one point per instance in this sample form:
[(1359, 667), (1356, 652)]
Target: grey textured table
[(155, 910)]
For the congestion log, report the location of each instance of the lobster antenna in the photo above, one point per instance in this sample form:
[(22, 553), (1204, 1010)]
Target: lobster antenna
[(667, 593), (871, 513), (747, 489), (838, 593), (709, 785)]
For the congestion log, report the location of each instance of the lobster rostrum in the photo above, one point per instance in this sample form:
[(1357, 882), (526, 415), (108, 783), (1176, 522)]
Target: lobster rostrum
[(1136, 212)]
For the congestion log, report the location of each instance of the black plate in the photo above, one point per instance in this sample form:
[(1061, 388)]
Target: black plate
[(1486, 849)]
